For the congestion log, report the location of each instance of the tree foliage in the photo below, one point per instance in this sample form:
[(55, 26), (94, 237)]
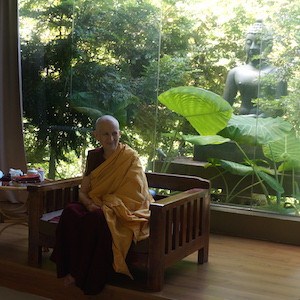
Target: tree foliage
[(84, 58)]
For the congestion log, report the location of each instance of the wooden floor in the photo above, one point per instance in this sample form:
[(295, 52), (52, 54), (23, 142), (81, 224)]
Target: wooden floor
[(237, 269)]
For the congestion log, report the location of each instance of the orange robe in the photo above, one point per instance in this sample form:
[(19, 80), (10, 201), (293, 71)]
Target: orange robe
[(119, 186)]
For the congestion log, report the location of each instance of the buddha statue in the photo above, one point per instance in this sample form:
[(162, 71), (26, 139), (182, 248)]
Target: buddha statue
[(257, 78)]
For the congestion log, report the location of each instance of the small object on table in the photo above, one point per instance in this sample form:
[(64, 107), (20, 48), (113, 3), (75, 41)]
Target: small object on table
[(29, 178)]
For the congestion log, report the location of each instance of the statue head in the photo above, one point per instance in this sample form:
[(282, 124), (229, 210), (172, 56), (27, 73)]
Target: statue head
[(258, 42)]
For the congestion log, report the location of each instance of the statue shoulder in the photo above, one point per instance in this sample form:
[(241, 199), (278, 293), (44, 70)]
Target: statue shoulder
[(238, 71), (240, 68)]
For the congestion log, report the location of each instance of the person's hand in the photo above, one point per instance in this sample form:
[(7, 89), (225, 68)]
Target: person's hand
[(92, 207)]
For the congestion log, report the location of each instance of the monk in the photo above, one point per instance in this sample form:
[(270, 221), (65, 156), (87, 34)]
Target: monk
[(94, 235)]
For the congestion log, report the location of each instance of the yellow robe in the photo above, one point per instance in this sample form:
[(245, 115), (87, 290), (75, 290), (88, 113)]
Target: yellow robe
[(119, 186)]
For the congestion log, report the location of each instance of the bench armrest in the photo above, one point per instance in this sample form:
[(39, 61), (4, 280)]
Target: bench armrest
[(177, 221), (54, 185), (178, 199)]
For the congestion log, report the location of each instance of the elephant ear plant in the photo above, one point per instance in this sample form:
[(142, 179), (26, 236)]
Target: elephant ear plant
[(212, 118), (207, 112)]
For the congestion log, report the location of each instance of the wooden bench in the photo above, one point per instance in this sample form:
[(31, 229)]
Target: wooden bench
[(179, 223)]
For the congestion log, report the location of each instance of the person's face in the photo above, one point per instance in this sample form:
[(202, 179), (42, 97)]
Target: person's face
[(256, 47), (108, 134)]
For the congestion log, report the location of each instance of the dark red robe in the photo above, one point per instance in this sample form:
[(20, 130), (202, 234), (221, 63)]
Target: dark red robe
[(84, 243)]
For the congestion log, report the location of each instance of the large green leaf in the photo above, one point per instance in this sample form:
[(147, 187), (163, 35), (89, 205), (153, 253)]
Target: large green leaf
[(255, 130), (236, 168), (271, 182), (289, 166), (243, 170), (232, 167), (284, 150), (92, 113), (207, 112), (203, 140)]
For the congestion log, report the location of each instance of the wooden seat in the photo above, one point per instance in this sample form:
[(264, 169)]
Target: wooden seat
[(179, 222)]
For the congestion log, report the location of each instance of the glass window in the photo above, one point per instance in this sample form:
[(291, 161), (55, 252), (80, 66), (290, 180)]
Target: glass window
[(236, 124)]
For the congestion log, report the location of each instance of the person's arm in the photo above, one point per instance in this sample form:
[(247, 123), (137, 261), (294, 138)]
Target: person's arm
[(230, 90), (83, 194)]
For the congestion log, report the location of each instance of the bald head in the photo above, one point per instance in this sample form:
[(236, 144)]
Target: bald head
[(107, 132), (105, 120)]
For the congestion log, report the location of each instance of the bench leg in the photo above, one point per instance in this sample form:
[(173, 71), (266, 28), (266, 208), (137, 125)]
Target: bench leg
[(203, 255), (155, 279), (35, 211), (1, 218), (34, 255)]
